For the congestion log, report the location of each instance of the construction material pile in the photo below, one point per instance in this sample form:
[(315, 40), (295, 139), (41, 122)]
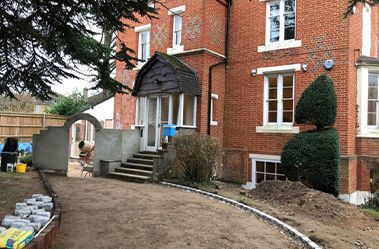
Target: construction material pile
[(30, 216)]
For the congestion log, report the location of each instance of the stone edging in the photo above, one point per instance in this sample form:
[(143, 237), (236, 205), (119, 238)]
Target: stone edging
[(291, 230), (46, 237)]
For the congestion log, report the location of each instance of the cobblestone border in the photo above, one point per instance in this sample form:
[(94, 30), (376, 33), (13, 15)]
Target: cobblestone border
[(289, 229), (46, 237)]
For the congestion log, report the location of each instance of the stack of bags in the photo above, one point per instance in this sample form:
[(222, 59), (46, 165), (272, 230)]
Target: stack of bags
[(29, 217)]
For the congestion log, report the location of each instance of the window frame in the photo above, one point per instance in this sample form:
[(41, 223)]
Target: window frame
[(213, 98), (137, 117), (372, 127), (174, 31), (180, 115), (266, 159), (281, 15), (279, 99), (176, 48), (140, 50), (140, 30)]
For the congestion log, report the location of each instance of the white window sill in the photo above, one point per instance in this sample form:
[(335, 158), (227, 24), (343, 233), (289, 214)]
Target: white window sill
[(369, 134), (213, 123), (277, 129), (279, 45), (175, 50)]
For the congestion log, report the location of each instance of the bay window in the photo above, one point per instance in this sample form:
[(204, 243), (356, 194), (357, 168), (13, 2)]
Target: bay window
[(175, 109), (372, 101)]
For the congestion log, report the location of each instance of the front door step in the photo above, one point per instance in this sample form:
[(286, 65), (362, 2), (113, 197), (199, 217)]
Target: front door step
[(139, 168), (129, 177)]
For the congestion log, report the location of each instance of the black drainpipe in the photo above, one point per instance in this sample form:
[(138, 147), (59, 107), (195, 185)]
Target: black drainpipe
[(225, 62)]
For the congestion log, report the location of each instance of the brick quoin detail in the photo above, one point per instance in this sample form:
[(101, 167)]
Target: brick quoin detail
[(324, 34)]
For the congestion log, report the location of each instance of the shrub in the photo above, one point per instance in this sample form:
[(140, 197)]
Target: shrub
[(318, 104), (196, 157), (372, 202), (68, 105), (313, 158)]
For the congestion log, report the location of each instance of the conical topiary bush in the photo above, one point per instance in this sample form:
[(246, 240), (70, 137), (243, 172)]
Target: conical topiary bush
[(318, 104)]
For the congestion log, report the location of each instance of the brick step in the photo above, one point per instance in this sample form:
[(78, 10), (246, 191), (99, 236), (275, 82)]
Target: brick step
[(141, 161), (137, 166), (147, 156), (134, 171), (129, 177)]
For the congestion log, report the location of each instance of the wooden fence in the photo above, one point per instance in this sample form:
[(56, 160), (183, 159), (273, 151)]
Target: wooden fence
[(24, 125)]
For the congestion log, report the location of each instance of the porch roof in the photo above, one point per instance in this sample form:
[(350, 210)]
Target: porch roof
[(166, 74)]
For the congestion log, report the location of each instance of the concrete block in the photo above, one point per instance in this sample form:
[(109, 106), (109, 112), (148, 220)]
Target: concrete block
[(21, 205), (44, 214), (36, 226), (36, 196), (18, 223), (48, 206), (30, 201), (45, 199), (39, 204), (8, 219), (23, 213), (41, 219)]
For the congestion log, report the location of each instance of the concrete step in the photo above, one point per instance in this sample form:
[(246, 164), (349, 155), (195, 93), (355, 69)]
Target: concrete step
[(141, 161), (134, 171), (129, 177), (147, 156), (137, 166)]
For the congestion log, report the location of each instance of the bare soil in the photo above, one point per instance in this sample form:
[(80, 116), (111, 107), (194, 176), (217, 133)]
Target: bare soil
[(325, 219), (15, 188), (105, 213)]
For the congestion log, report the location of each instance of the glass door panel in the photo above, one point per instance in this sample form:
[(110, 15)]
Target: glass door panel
[(152, 123), (164, 116)]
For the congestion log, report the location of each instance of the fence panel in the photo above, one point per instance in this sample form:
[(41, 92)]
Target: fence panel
[(24, 125)]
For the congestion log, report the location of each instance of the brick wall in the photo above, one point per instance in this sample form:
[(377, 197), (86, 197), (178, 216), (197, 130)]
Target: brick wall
[(239, 110)]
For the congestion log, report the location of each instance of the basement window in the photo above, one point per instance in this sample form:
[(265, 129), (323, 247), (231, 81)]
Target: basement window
[(266, 168)]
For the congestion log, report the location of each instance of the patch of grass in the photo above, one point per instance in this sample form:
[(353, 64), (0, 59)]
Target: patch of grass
[(371, 212)]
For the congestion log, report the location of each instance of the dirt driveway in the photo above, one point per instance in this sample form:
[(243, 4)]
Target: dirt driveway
[(104, 213)]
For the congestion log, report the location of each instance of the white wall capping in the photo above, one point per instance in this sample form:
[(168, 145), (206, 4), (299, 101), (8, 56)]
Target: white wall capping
[(142, 28), (279, 69), (280, 45), (176, 10)]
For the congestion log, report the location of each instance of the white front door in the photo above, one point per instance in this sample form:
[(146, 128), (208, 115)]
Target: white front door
[(158, 115)]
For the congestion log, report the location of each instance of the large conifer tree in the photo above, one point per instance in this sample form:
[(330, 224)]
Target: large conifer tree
[(42, 42)]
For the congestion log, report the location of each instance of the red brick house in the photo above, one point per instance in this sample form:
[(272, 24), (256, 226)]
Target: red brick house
[(235, 70)]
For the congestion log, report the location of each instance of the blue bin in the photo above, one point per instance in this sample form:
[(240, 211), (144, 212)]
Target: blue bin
[(169, 130)]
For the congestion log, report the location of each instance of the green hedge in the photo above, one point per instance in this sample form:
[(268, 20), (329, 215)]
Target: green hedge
[(313, 158), (318, 104)]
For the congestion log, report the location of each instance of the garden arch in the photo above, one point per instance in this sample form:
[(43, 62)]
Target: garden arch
[(51, 147)]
